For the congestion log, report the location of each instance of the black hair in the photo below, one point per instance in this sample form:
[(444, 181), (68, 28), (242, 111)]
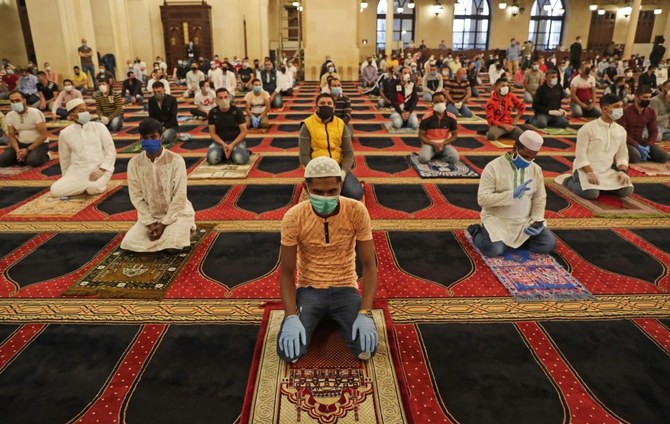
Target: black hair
[(157, 84), (15, 92), (501, 80), (202, 83), (609, 99), (437, 93), (643, 89), (150, 126), (222, 90), (323, 95), (67, 80)]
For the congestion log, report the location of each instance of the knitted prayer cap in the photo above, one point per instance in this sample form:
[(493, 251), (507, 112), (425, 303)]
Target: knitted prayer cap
[(73, 104), (531, 140), (323, 167)]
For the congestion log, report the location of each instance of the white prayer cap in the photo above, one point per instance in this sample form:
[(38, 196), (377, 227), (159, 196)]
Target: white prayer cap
[(323, 167), (73, 104), (531, 140)]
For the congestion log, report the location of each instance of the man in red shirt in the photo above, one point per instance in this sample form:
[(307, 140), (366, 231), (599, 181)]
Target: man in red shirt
[(583, 94), (10, 79), (437, 130), (499, 109), (639, 120)]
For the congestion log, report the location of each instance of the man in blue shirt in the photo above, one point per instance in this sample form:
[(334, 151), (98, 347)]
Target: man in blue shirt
[(269, 80), (28, 86), (513, 56)]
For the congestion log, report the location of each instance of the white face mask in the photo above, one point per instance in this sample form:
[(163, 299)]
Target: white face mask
[(68, 88), (103, 89), (503, 91), (616, 114), (440, 107), (406, 77)]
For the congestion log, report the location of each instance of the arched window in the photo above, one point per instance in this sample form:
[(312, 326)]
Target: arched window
[(546, 24), (403, 24), (471, 24)]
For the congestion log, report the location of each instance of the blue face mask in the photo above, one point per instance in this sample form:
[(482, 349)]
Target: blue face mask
[(18, 107), (151, 146), (324, 205), (258, 89), (83, 117), (520, 162), (336, 91)]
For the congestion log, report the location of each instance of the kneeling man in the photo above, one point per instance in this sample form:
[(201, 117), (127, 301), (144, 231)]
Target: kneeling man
[(320, 238), (513, 199), (86, 153), (157, 187)]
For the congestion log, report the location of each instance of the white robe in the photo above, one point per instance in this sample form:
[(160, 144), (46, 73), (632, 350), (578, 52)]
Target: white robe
[(503, 216), (158, 192), (81, 150), (600, 144), (216, 78)]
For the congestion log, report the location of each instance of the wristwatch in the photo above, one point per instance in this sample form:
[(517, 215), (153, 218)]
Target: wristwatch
[(367, 312)]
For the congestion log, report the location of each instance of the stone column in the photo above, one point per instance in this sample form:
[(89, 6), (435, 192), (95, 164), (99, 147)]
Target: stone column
[(632, 28), (389, 28)]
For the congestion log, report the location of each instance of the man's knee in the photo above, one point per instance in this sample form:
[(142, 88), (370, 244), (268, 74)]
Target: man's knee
[(538, 122), (396, 120), (36, 160), (58, 189), (493, 249), (625, 191), (214, 154), (465, 112), (491, 135), (545, 242), (592, 194)]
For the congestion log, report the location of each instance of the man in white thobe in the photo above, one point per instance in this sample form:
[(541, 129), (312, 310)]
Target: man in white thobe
[(157, 187), (513, 198), (86, 153), (599, 144)]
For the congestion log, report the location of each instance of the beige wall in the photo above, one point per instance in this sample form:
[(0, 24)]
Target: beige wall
[(367, 29), (433, 28), (15, 50)]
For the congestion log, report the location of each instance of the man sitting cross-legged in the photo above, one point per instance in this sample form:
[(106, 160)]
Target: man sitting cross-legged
[(547, 104), (513, 199), (324, 134), (27, 133), (157, 188), (437, 131), (404, 98), (639, 121), (257, 106), (601, 143), (86, 154), (228, 129), (499, 110), (320, 237)]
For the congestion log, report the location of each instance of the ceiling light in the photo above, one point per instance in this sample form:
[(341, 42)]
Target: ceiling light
[(514, 8), (411, 5), (503, 5), (627, 10), (601, 12), (593, 7), (437, 8), (400, 9), (658, 11), (364, 4), (296, 3), (547, 7)]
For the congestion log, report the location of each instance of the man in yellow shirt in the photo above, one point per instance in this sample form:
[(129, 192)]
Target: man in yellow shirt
[(324, 134), (80, 80), (319, 239)]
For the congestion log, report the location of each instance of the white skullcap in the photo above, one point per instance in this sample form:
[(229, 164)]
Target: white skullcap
[(73, 104), (323, 167), (531, 140)]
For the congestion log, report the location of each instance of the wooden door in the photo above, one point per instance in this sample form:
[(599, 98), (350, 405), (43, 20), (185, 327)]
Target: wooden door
[(183, 24), (645, 26), (601, 31)]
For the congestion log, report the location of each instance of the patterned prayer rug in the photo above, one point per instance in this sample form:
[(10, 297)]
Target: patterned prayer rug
[(392, 130), (652, 168), (534, 277), (608, 204), (47, 206), (474, 119), (137, 148), (554, 131), (440, 169), (503, 143), (224, 170), (328, 385), (131, 275), (11, 171)]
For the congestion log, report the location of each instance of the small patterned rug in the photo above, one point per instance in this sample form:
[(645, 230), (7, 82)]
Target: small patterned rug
[(534, 277), (652, 168), (554, 131), (130, 275), (328, 385), (503, 143), (47, 206), (392, 130), (224, 170), (607, 204), (440, 169), (11, 171)]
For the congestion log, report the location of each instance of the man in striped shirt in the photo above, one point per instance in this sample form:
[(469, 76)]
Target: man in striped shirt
[(109, 106), (458, 92), (342, 102)]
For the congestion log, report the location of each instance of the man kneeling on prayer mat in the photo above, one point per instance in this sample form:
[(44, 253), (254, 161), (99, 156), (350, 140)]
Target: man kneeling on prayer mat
[(320, 238), (86, 153), (600, 143), (513, 198), (157, 187)]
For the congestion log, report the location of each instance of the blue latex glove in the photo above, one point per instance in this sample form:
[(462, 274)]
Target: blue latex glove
[(365, 326), (255, 121), (532, 232), (523, 188), (645, 152), (292, 334)]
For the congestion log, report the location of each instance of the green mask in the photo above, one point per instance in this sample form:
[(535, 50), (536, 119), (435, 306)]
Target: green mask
[(323, 205)]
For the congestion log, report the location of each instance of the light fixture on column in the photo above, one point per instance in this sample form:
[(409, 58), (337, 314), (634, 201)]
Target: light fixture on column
[(601, 12), (296, 3), (502, 5), (300, 8), (627, 10), (515, 9), (364, 4), (658, 11), (593, 7), (411, 5), (438, 8)]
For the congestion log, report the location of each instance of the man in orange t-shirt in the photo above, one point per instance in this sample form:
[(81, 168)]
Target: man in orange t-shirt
[(319, 238)]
